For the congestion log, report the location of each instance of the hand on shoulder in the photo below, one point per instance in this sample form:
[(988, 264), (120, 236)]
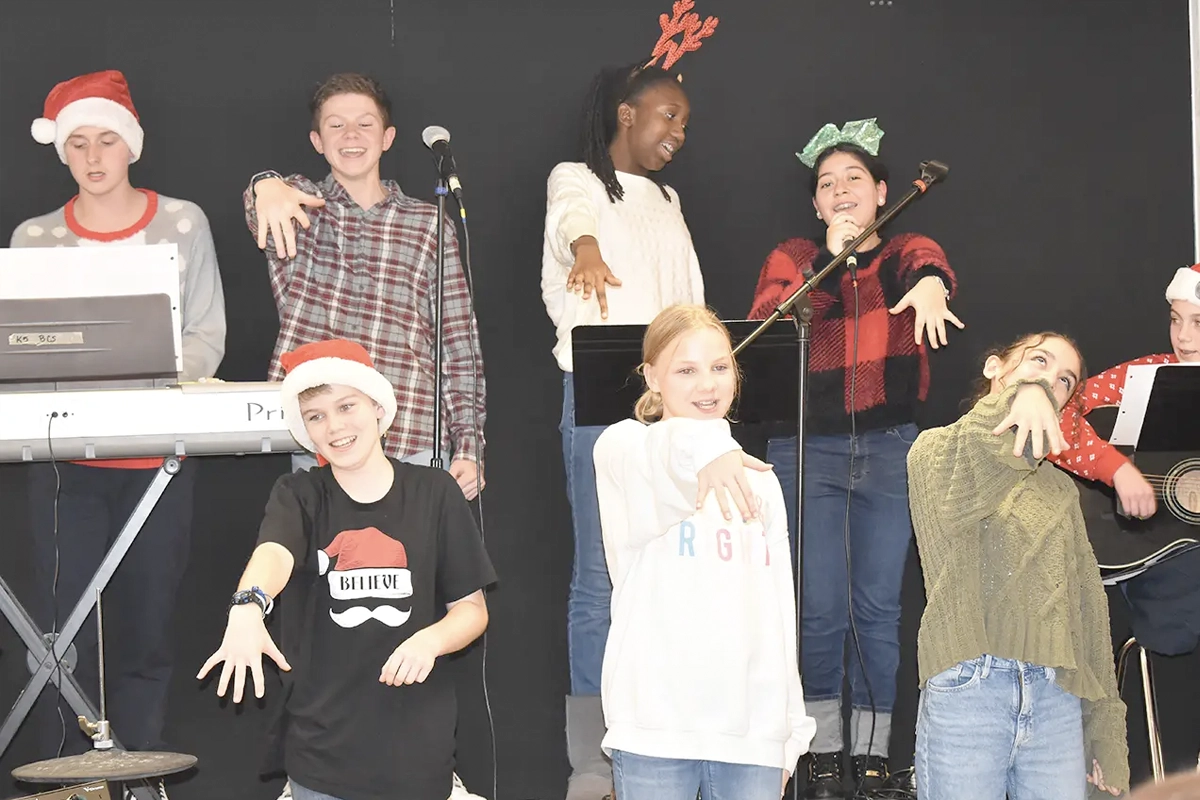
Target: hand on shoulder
[(726, 477)]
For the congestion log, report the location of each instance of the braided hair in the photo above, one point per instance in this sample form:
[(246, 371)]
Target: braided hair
[(611, 87)]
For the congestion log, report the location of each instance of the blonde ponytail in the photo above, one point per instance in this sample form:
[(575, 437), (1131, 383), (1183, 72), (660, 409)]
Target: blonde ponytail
[(649, 407)]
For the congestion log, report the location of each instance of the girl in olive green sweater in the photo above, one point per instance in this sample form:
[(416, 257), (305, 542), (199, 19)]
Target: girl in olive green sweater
[(1018, 694)]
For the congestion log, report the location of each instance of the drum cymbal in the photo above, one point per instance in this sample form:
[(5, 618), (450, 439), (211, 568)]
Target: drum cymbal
[(113, 765)]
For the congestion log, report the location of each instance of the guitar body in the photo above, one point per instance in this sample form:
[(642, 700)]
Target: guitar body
[(1126, 547)]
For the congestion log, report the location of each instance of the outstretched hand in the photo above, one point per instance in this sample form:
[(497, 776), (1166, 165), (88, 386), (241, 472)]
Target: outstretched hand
[(928, 301), (278, 206), (591, 274), (246, 642)]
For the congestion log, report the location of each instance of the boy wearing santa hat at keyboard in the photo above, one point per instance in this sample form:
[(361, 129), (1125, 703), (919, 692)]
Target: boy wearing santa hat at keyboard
[(386, 572), (92, 123)]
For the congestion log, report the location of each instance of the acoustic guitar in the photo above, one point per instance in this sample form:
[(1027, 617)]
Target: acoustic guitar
[(1126, 547)]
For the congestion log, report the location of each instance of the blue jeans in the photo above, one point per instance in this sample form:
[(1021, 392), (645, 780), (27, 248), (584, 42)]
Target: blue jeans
[(992, 726), (591, 590), (1164, 605), (646, 778), (300, 793), (880, 531)]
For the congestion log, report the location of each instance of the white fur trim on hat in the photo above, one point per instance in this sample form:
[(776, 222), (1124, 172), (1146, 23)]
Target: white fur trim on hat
[(99, 112), (42, 130), (1185, 285), (340, 371)]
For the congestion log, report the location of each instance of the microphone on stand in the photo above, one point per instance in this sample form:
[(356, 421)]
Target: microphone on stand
[(852, 259), (437, 139)]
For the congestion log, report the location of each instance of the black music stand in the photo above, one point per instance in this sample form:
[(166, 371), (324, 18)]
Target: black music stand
[(607, 385), (1167, 419)]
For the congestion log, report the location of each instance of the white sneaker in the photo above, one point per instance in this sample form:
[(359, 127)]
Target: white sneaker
[(459, 792)]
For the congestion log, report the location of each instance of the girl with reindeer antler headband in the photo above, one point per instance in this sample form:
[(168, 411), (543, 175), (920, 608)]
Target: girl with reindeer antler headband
[(869, 371), (616, 251)]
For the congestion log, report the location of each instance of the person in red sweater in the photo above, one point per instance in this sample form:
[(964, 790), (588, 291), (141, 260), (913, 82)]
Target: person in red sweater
[(1164, 601), (868, 372)]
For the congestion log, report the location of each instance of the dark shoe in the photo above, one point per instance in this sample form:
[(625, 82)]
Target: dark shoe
[(825, 774), (870, 775)]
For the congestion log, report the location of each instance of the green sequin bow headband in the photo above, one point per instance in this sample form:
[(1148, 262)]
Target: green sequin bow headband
[(862, 132)]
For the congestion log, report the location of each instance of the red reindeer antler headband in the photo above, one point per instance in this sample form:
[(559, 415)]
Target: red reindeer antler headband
[(682, 20)]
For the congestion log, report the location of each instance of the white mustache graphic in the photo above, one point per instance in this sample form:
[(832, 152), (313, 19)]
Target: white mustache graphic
[(357, 615)]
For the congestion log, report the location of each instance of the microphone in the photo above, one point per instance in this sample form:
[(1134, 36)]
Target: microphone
[(437, 139), (852, 259)]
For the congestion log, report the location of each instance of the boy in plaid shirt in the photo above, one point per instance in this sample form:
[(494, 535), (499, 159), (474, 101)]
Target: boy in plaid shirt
[(361, 265)]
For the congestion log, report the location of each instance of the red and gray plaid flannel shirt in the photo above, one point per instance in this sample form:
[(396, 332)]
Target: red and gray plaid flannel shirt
[(367, 275)]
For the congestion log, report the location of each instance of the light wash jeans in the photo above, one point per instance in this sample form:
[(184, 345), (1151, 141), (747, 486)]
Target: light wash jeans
[(647, 778), (993, 726), (300, 793)]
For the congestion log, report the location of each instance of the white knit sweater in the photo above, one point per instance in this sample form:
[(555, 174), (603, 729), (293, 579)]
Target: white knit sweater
[(642, 237)]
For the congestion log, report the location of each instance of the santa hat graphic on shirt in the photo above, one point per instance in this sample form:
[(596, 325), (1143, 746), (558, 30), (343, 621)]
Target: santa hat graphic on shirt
[(99, 99), (369, 564), (1185, 285)]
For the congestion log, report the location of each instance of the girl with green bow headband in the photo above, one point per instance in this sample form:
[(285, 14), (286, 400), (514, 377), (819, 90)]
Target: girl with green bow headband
[(868, 374)]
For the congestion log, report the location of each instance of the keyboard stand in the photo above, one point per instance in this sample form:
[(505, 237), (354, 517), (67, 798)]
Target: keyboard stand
[(48, 652)]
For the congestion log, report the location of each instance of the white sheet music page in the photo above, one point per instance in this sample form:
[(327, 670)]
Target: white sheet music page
[(1139, 380)]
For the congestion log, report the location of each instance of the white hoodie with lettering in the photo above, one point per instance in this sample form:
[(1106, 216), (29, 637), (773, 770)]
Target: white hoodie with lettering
[(701, 656)]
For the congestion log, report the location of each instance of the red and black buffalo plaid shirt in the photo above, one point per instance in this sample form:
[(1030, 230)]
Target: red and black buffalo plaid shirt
[(367, 275), (893, 372)]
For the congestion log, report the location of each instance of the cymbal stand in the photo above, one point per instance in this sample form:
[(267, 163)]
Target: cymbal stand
[(99, 731)]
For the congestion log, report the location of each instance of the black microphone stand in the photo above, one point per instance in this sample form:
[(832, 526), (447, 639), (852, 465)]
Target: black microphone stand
[(441, 191), (931, 173)]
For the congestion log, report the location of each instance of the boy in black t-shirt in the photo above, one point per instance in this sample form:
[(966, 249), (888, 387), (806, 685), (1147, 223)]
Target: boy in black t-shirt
[(386, 570)]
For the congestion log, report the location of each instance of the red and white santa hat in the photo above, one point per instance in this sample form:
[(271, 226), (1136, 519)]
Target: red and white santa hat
[(100, 99), (368, 548), (336, 361), (1185, 285)]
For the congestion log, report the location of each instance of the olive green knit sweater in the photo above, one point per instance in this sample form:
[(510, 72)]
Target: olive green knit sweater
[(1009, 570)]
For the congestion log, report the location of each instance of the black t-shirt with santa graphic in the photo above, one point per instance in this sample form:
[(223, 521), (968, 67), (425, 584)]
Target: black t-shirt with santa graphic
[(367, 576)]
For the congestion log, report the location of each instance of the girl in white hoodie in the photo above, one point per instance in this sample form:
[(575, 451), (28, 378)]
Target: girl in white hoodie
[(700, 684)]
